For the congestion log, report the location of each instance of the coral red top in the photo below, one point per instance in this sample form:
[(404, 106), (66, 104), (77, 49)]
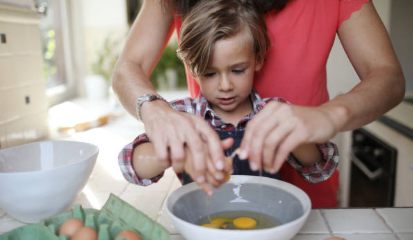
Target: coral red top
[(302, 35)]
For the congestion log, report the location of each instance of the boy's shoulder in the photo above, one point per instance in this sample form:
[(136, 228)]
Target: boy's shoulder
[(278, 99), (186, 104)]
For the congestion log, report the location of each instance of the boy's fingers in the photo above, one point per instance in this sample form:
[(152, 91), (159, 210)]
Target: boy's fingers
[(226, 144)]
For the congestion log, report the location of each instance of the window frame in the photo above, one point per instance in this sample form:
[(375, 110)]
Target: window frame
[(70, 38)]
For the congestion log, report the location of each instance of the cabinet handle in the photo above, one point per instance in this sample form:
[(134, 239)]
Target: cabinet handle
[(371, 175), (42, 8)]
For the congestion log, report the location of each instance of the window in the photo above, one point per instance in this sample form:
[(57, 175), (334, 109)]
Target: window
[(57, 49)]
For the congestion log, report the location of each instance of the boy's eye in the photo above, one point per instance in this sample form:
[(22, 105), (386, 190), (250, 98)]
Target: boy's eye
[(238, 70), (209, 74)]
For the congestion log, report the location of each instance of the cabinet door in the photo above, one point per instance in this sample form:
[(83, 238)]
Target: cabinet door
[(404, 168), (23, 103), (404, 180)]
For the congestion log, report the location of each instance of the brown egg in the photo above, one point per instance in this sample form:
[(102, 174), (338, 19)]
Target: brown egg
[(86, 233), (129, 235), (70, 227)]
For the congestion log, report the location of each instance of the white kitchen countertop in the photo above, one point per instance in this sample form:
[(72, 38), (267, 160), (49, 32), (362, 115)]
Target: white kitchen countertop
[(106, 178), (402, 113)]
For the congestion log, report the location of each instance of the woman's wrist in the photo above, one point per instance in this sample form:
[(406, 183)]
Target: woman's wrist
[(145, 99), (337, 114), (153, 108)]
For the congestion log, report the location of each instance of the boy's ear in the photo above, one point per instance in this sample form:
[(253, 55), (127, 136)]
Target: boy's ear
[(258, 64)]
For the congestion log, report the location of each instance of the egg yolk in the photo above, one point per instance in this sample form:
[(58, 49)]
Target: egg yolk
[(208, 225), (217, 222), (245, 223)]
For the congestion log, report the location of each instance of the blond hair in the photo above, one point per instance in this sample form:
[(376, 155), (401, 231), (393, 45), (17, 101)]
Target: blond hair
[(213, 20)]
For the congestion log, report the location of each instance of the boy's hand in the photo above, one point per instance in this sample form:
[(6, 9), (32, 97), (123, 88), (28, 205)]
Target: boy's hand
[(214, 177), (172, 132)]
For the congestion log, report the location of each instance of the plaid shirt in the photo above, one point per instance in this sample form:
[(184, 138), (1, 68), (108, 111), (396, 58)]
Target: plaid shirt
[(314, 173)]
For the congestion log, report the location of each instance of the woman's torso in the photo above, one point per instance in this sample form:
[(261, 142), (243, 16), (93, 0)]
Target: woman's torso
[(302, 35)]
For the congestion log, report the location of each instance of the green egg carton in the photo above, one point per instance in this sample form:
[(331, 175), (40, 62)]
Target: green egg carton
[(115, 216)]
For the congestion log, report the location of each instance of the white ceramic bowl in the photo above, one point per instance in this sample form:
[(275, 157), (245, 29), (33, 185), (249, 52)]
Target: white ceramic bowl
[(283, 201), (41, 179)]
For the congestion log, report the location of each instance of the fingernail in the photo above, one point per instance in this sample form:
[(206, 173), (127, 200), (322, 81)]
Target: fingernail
[(200, 179), (273, 170), (243, 154), (254, 166), (219, 176), (220, 165)]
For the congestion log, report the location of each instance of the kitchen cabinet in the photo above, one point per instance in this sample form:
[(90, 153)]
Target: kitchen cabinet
[(23, 104), (404, 145)]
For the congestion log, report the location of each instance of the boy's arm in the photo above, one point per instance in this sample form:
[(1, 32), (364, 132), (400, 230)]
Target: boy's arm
[(126, 163), (307, 154), (144, 161), (315, 171)]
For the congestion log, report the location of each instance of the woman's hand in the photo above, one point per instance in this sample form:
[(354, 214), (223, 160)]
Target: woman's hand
[(176, 135), (213, 177), (278, 129)]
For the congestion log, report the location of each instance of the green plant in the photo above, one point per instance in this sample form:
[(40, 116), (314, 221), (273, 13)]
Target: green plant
[(169, 59), (106, 58)]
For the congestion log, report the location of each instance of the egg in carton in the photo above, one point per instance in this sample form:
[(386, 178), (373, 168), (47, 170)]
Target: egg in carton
[(114, 217)]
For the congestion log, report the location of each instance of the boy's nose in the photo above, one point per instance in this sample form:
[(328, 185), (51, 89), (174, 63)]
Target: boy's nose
[(225, 84)]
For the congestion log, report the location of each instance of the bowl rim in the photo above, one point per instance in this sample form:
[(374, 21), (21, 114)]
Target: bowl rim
[(94, 153), (239, 179)]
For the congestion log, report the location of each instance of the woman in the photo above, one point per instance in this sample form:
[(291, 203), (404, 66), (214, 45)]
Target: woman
[(302, 34)]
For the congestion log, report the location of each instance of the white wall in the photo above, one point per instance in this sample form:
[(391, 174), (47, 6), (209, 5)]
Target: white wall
[(401, 34), (102, 19), (342, 78)]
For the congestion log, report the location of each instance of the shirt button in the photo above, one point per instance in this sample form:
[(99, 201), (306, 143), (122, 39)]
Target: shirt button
[(223, 126)]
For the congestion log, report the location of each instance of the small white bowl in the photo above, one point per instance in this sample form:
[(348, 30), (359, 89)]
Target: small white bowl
[(42, 179), (283, 201)]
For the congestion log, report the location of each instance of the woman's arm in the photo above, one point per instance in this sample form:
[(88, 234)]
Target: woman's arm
[(368, 46), (144, 46), (279, 128), (146, 167), (169, 130)]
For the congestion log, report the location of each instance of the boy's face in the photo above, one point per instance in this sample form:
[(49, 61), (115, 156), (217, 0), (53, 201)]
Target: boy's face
[(228, 80)]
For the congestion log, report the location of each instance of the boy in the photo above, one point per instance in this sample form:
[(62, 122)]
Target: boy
[(223, 43)]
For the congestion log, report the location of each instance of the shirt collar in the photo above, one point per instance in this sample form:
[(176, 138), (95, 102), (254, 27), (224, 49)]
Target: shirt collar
[(257, 102), (203, 107)]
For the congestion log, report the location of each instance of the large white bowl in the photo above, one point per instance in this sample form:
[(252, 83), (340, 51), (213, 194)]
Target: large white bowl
[(283, 201), (39, 180)]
